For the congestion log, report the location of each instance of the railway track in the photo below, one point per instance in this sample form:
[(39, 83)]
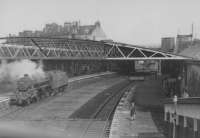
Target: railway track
[(99, 123), (15, 109)]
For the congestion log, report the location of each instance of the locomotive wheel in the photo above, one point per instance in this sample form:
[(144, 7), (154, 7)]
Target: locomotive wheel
[(40, 96), (62, 89), (65, 87), (55, 92), (43, 96), (28, 101), (51, 94), (37, 98), (59, 89), (34, 99), (47, 94), (20, 102), (12, 102)]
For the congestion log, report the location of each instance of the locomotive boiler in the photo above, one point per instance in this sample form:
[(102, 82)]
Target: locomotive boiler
[(31, 90)]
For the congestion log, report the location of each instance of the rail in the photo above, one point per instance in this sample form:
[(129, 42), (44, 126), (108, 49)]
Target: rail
[(89, 76), (107, 121), (100, 109)]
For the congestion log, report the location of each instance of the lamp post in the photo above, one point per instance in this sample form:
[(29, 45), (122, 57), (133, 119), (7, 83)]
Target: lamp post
[(175, 99)]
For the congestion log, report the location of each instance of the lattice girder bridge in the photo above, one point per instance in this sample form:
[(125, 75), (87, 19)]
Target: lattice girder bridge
[(69, 49)]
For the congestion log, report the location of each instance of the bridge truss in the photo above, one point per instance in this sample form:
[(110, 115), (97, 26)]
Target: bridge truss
[(66, 49), (121, 51)]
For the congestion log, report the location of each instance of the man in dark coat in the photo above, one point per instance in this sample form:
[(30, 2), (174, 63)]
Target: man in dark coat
[(132, 111)]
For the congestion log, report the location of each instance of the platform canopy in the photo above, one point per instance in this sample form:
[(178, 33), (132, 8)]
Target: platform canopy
[(122, 51)]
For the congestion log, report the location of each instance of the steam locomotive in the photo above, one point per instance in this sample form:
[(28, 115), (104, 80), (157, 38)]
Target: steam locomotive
[(32, 90)]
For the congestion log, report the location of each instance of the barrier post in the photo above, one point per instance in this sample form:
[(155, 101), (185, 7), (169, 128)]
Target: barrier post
[(175, 99)]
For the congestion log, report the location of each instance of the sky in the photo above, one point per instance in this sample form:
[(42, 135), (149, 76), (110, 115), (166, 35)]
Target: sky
[(141, 22)]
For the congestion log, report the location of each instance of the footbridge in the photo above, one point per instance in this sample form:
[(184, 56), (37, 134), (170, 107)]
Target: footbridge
[(82, 56), (68, 49)]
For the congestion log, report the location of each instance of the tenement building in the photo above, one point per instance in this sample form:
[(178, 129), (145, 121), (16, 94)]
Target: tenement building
[(72, 30)]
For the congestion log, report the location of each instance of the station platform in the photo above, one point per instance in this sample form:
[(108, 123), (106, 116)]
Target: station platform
[(148, 121)]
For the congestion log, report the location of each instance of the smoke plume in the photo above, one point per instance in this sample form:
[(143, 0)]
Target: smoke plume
[(17, 69)]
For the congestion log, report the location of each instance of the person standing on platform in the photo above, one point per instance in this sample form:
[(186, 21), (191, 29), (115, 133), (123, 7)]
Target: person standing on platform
[(132, 111), (131, 103)]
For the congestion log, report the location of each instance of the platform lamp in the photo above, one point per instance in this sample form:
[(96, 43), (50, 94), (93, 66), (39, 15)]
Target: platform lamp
[(175, 99)]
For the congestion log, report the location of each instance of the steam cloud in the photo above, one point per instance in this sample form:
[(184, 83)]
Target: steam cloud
[(17, 69)]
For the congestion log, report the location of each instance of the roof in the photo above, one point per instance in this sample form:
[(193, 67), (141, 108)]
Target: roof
[(85, 30), (193, 52)]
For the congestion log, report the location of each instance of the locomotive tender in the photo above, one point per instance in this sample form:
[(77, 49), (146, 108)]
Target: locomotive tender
[(31, 90)]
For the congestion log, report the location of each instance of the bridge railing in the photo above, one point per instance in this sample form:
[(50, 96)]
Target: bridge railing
[(50, 48)]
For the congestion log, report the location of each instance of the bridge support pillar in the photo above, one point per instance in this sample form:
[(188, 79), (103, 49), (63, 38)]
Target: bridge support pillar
[(160, 67)]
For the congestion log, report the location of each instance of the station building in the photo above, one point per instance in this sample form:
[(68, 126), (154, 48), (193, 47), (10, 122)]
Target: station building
[(182, 115), (191, 71)]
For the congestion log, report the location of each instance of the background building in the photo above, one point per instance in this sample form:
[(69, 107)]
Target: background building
[(69, 30), (168, 44), (182, 42), (91, 32)]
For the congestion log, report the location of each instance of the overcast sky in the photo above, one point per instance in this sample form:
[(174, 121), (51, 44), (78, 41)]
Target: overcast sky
[(132, 21)]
